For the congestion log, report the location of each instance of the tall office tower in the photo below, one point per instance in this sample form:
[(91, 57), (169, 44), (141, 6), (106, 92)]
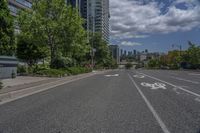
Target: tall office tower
[(16, 5), (75, 3), (98, 16), (121, 53), (115, 52)]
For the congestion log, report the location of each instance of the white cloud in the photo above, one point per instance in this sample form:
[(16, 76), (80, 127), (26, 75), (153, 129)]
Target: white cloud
[(133, 18), (128, 43)]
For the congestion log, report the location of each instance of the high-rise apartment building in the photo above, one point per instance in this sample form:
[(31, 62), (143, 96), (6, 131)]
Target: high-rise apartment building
[(98, 16), (95, 12), (115, 52), (16, 5)]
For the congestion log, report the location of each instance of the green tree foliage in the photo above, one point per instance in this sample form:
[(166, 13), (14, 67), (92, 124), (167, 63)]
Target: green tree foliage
[(58, 26), (129, 65), (102, 54), (30, 51), (189, 58), (7, 46), (192, 56), (154, 63)]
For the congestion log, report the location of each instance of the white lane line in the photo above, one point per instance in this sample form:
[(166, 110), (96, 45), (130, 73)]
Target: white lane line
[(186, 80), (178, 87), (153, 111)]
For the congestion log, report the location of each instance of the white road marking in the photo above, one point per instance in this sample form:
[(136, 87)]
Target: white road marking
[(138, 76), (154, 86), (114, 75), (178, 87), (195, 74), (153, 111), (186, 80), (175, 89), (197, 99)]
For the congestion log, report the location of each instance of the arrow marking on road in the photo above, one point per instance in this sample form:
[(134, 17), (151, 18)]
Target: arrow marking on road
[(139, 76), (115, 75)]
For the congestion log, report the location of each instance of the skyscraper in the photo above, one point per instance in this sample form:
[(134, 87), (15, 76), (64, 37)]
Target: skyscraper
[(15, 6), (115, 52), (97, 15)]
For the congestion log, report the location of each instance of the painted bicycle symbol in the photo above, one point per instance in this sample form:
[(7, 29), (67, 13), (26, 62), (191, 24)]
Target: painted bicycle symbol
[(154, 86)]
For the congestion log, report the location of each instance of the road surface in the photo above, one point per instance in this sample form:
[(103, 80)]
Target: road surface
[(121, 101)]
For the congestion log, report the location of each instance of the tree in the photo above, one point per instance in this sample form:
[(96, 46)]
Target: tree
[(102, 54), (58, 26), (193, 55), (7, 46), (30, 51)]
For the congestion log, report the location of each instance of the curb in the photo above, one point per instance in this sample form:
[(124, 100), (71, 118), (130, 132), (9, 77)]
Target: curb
[(14, 95)]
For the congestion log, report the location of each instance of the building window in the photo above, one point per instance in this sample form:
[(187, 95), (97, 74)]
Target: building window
[(13, 9)]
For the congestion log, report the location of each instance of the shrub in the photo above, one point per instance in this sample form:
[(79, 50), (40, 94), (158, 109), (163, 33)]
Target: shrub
[(21, 69), (13, 75), (64, 71), (51, 73), (78, 70), (128, 65), (60, 62)]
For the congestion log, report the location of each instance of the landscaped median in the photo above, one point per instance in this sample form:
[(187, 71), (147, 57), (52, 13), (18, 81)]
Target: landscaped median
[(23, 92)]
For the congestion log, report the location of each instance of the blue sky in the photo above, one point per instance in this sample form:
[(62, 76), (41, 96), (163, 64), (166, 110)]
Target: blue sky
[(154, 24)]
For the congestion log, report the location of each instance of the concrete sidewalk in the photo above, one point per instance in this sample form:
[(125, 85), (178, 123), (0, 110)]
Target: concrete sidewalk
[(11, 93), (22, 82)]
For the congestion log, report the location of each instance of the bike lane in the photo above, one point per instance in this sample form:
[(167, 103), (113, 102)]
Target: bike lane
[(179, 110)]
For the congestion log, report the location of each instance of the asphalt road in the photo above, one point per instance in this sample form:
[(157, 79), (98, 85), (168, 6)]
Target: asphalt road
[(121, 101)]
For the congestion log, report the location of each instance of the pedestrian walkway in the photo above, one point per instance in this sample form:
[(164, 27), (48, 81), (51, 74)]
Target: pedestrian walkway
[(28, 87)]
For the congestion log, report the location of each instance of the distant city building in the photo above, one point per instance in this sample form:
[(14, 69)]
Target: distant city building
[(129, 53), (121, 52), (134, 52), (143, 57), (125, 53), (115, 52)]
